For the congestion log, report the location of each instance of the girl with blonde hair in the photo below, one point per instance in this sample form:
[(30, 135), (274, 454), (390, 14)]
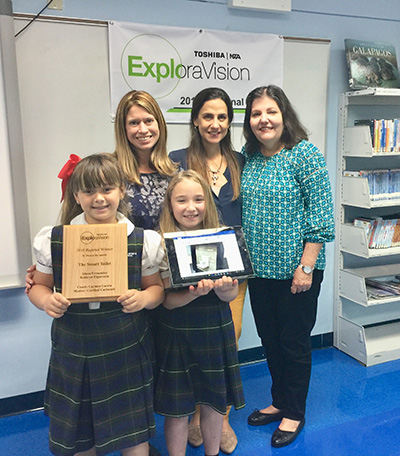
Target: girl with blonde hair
[(197, 357), (211, 154)]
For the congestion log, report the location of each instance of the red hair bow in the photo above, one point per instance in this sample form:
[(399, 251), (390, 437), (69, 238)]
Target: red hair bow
[(67, 171)]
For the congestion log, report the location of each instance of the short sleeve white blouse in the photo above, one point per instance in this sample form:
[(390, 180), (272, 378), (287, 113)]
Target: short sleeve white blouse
[(153, 252)]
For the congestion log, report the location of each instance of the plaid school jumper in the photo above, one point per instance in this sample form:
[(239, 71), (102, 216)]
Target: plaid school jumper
[(100, 384), (197, 358)]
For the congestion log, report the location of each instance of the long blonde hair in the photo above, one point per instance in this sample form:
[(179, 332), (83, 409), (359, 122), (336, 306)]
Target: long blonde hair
[(125, 152), (168, 223), (94, 171)]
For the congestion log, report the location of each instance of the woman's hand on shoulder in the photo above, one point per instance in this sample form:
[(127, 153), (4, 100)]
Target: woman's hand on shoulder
[(29, 278)]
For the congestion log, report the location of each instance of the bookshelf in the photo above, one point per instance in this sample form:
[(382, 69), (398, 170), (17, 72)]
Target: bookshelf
[(358, 143), (353, 284), (356, 193), (365, 327), (353, 240)]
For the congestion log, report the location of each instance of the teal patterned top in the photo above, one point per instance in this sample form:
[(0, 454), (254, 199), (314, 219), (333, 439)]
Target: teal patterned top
[(287, 200)]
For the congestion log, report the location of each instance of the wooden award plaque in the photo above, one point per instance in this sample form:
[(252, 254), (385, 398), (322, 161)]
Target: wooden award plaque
[(95, 262)]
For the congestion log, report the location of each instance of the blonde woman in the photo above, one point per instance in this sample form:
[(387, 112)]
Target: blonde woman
[(141, 138)]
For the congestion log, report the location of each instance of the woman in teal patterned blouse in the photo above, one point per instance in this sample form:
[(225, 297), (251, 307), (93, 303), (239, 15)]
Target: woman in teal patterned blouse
[(287, 219)]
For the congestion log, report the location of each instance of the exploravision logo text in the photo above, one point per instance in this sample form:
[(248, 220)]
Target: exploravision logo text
[(154, 59)]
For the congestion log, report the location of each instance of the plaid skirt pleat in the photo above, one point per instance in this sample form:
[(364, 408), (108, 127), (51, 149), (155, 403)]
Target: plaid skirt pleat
[(100, 382), (197, 359)]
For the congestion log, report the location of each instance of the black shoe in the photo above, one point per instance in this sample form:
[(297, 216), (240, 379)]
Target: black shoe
[(258, 418), (282, 438), (153, 451)]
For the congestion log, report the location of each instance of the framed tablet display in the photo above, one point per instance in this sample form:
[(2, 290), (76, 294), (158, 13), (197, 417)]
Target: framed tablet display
[(207, 254)]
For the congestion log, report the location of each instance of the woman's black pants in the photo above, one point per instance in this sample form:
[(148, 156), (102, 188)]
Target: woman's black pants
[(284, 322)]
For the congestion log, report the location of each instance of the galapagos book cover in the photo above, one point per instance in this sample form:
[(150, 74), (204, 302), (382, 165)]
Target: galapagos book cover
[(371, 64)]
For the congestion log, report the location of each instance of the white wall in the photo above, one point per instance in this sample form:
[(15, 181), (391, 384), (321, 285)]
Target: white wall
[(24, 331), (24, 342)]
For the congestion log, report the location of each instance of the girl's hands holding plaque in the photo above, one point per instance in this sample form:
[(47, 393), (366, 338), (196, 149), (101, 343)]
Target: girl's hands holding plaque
[(133, 301), (151, 295), (56, 305)]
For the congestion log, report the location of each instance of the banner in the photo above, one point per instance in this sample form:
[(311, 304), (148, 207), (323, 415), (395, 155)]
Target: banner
[(174, 63)]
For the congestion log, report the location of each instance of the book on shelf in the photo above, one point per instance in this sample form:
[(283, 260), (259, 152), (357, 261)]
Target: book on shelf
[(366, 223), (376, 234), (381, 287), (371, 64), (383, 184), (396, 235), (349, 173), (385, 134), (386, 234), (381, 233), (394, 183), (377, 293)]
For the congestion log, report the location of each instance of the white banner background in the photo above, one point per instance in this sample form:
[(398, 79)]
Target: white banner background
[(174, 63)]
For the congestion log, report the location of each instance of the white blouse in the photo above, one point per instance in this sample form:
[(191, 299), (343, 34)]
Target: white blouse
[(153, 258)]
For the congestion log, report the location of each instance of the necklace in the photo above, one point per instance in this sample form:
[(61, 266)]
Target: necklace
[(214, 174)]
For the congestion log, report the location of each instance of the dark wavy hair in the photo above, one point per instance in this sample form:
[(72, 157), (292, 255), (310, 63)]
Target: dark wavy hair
[(293, 130), (196, 155)]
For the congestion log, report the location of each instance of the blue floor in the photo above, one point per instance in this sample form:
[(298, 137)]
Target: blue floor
[(352, 410)]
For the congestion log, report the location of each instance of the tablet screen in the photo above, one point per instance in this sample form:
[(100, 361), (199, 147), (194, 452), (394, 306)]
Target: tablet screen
[(207, 254)]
